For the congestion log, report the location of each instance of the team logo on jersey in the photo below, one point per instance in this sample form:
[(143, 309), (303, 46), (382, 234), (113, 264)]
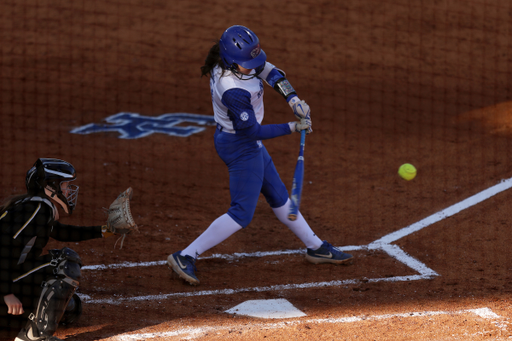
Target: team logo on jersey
[(244, 116), (260, 93), (134, 126), (256, 51)]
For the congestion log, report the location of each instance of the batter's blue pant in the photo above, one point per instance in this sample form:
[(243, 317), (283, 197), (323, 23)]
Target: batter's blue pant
[(251, 172)]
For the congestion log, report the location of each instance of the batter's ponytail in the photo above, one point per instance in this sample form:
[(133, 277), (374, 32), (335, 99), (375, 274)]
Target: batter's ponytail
[(211, 60)]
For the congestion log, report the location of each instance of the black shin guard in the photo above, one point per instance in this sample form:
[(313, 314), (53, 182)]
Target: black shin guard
[(56, 294), (54, 299)]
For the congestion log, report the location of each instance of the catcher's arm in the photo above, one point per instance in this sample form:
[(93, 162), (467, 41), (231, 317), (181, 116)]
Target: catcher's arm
[(106, 231), (120, 220)]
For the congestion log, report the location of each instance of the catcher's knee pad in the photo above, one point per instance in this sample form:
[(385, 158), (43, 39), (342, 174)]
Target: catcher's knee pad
[(67, 264)]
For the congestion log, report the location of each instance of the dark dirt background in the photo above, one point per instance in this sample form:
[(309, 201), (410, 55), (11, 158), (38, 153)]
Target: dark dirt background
[(389, 82)]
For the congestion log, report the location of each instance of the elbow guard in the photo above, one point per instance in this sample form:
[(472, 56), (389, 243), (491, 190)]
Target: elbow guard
[(284, 87)]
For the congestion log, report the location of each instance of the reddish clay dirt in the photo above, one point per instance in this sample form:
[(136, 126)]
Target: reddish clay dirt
[(389, 82)]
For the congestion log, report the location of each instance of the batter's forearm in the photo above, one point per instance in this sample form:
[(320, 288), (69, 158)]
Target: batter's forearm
[(265, 132)]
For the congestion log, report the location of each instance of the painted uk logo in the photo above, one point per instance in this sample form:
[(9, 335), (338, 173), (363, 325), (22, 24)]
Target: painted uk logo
[(135, 126)]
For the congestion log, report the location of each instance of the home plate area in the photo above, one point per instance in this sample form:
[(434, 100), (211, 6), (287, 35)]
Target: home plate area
[(282, 309), (270, 309), (254, 317)]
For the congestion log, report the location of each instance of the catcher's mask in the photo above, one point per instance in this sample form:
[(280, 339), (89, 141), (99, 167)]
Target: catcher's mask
[(52, 178), (238, 45)]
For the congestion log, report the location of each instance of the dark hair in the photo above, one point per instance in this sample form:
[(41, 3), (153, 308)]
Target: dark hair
[(10, 201), (212, 60)]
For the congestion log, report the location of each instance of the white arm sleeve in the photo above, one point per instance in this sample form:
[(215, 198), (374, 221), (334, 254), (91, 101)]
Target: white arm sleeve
[(266, 70)]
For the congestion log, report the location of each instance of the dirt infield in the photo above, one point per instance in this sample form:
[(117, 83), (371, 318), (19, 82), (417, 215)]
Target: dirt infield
[(389, 82)]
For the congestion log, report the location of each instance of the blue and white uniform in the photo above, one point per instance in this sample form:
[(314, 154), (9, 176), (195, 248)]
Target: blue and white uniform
[(239, 110)]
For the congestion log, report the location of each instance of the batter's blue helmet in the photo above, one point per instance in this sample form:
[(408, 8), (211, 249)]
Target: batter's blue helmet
[(239, 45)]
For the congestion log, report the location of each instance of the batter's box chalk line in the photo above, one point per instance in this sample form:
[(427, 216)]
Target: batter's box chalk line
[(383, 244), (196, 332)]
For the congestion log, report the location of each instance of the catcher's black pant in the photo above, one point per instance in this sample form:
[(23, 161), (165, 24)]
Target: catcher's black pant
[(29, 291)]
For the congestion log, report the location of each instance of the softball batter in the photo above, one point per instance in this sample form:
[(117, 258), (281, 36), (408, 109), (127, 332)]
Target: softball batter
[(237, 67)]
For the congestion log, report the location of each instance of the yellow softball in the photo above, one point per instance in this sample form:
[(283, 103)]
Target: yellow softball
[(407, 171)]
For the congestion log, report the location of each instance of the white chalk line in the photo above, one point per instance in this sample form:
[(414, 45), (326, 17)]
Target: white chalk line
[(447, 212), (280, 287), (396, 252), (233, 256), (485, 313), (383, 244)]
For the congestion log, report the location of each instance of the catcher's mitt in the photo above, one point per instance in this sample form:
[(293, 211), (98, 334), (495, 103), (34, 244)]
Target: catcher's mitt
[(120, 220)]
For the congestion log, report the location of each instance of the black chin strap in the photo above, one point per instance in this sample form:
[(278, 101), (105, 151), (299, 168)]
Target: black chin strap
[(233, 68)]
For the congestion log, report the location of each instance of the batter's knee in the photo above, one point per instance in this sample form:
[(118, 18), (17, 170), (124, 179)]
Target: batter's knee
[(241, 219)]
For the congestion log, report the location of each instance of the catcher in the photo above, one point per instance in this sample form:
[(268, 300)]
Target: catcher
[(39, 290)]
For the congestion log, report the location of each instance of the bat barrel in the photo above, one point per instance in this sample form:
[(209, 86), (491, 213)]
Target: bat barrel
[(296, 192)]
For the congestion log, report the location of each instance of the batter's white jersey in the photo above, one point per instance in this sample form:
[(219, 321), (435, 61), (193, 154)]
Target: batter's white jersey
[(220, 84)]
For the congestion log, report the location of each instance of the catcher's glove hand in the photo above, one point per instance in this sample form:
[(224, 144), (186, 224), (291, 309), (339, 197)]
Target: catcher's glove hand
[(120, 220)]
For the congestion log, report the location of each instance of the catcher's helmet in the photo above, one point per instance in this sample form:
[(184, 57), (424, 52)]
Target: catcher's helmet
[(46, 177), (239, 45)]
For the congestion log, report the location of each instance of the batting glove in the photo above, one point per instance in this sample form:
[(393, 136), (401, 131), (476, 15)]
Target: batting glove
[(300, 108), (303, 124)]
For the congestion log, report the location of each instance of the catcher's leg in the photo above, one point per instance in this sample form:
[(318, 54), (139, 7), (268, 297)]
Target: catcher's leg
[(73, 311), (55, 296)]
